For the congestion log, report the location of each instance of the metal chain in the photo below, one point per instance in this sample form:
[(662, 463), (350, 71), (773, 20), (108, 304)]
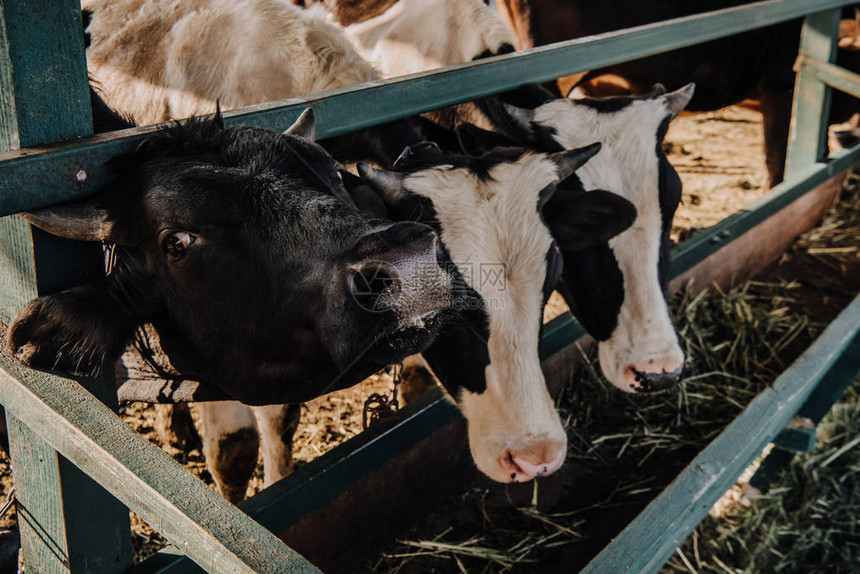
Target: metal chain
[(377, 406)]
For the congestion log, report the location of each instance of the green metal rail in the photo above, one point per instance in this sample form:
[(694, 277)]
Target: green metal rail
[(56, 415), (345, 110), (648, 541)]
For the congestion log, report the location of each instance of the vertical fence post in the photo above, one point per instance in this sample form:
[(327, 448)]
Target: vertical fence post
[(807, 140), (68, 523), (807, 144)]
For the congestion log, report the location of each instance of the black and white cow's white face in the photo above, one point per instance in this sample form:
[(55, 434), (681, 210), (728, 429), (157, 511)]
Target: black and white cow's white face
[(617, 289), (487, 211), (243, 250)]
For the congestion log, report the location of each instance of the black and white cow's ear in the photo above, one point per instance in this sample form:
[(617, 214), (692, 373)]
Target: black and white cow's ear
[(569, 161), (656, 90), (304, 126), (579, 220), (477, 141), (80, 331), (521, 118), (676, 101), (81, 221), (364, 199)]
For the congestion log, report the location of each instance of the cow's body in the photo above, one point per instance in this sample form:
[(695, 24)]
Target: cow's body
[(170, 59), (413, 36), (157, 61), (756, 64)]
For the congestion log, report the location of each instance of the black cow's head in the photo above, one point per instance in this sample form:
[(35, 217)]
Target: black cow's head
[(617, 288), (242, 248), (487, 211)]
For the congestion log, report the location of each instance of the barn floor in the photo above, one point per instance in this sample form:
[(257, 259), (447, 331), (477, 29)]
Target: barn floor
[(720, 160)]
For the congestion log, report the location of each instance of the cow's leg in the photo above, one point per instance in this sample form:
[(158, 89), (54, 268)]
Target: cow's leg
[(175, 427), (231, 446), (277, 425), (776, 115), (416, 378)]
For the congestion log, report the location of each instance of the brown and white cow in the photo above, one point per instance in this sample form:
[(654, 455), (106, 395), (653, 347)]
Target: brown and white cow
[(155, 61)]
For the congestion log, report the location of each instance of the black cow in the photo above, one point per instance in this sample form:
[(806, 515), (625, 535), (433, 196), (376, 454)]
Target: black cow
[(241, 248)]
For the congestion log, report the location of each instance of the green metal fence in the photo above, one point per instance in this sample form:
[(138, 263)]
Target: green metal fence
[(77, 466)]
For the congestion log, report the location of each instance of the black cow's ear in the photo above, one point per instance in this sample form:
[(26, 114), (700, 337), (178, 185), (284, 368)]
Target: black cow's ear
[(80, 220), (304, 126), (80, 331), (580, 220), (477, 141)]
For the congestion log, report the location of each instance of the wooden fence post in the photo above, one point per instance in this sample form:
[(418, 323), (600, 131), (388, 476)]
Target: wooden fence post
[(807, 139), (68, 523)]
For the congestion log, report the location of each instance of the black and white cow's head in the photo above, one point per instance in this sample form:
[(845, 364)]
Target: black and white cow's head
[(487, 211), (242, 248), (617, 289)]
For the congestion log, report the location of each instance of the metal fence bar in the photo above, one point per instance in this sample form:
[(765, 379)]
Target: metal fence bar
[(368, 104), (647, 542)]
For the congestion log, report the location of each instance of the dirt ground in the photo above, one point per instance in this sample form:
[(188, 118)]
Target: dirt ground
[(720, 159)]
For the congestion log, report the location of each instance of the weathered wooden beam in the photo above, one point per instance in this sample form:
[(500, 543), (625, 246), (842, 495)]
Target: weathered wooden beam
[(201, 523), (807, 138), (67, 522), (648, 541), (345, 110), (830, 74)]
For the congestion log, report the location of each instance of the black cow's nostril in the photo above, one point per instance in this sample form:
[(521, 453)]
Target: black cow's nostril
[(372, 281), (374, 287)]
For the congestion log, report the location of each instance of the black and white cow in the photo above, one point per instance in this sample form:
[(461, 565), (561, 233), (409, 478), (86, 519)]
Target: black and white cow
[(241, 248), (615, 289), (489, 212)]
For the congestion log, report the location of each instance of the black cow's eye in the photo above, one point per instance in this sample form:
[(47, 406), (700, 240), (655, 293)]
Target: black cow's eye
[(174, 244)]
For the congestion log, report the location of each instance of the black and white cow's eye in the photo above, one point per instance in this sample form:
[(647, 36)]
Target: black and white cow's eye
[(175, 243)]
